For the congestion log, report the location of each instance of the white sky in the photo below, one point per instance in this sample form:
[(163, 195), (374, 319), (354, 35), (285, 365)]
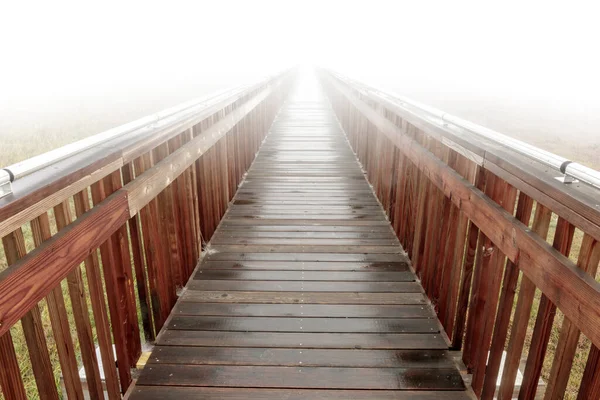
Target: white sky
[(536, 49)]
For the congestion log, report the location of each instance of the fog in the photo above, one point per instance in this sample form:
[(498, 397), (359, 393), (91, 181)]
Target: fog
[(528, 69)]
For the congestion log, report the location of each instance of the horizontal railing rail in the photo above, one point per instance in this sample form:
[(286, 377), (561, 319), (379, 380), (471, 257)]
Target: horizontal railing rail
[(491, 233), (99, 240)]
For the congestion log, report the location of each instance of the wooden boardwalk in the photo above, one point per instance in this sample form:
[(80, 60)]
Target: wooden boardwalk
[(306, 292)]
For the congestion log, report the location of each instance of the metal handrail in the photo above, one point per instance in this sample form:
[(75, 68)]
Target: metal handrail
[(570, 169), (26, 167), (33, 164)]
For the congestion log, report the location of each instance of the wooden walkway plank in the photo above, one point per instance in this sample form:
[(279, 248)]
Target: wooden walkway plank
[(356, 341), (305, 357), (305, 297), (306, 266), (304, 310), (301, 286), (305, 292), (208, 393), (301, 377)]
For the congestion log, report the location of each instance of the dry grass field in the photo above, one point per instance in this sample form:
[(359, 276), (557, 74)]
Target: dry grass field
[(28, 128)]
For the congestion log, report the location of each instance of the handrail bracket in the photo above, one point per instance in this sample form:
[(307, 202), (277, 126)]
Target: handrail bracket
[(5, 184)]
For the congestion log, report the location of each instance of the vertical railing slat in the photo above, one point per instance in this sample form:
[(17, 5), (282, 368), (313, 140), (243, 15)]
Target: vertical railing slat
[(423, 197), (103, 332), (456, 256), (157, 259), (563, 238), (83, 325), (169, 230), (124, 275), (589, 257), (541, 225), (590, 382), (33, 330), (446, 247), (507, 195), (138, 263), (177, 195), (111, 259), (483, 257), (10, 374), (40, 228), (507, 296), (468, 265)]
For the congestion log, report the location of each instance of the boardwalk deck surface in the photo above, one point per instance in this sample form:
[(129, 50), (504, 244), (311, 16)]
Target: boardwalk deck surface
[(306, 293)]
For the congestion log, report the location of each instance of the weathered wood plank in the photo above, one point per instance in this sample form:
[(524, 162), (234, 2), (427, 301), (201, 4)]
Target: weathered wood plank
[(138, 260), (290, 324), (33, 329), (329, 249), (301, 286), (541, 225), (220, 241), (563, 238), (207, 393), (156, 256), (306, 297), (588, 261), (11, 382), (79, 307), (301, 357), (348, 266), (110, 258), (337, 257), (305, 310), (404, 276), (101, 322), (590, 382), (506, 302), (59, 321), (303, 377)]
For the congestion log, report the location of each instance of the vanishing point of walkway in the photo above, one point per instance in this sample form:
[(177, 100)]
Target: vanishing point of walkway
[(305, 292)]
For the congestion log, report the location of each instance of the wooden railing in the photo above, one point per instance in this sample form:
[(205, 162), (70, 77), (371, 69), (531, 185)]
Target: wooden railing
[(120, 227), (462, 208)]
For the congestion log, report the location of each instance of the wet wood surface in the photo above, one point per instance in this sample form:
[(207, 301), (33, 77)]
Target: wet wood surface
[(305, 292)]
